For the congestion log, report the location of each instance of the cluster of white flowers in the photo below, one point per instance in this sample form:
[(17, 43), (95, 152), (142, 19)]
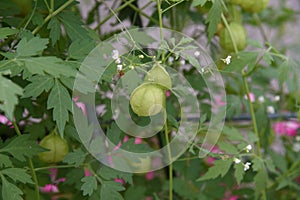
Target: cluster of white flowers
[(261, 99), (270, 110), (247, 166), (236, 160), (197, 53), (248, 148), (227, 60), (115, 55)]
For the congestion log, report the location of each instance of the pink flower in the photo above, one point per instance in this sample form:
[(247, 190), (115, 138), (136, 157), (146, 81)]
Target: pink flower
[(87, 172), (251, 95), (210, 160), (149, 176), (80, 105), (219, 101), (118, 180), (233, 197), (49, 188), (168, 93), (3, 119), (288, 128), (138, 141), (52, 187)]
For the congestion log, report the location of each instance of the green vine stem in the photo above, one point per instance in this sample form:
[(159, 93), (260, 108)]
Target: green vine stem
[(51, 15), (169, 157), (113, 13), (253, 117), (230, 33), (31, 166), (54, 166), (31, 15)]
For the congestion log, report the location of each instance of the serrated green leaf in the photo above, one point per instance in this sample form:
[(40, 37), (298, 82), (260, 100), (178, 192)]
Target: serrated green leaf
[(31, 47), (6, 31), (89, 185), (135, 193), (227, 147), (38, 85), (76, 157), (260, 181), (239, 172), (55, 30), (8, 96), (243, 59), (73, 26), (49, 65), (193, 61), (268, 58), (213, 18), (21, 147), (59, 99), (283, 71), (17, 174), (109, 191), (108, 173), (79, 49), (220, 168), (198, 2), (5, 161), (270, 165), (10, 191), (258, 164), (185, 188), (233, 134)]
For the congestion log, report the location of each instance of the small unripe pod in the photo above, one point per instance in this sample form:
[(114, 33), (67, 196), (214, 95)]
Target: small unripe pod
[(147, 99), (58, 148)]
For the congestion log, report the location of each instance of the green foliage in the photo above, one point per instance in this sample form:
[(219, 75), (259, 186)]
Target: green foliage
[(44, 45), (220, 168), (60, 100), (8, 96), (21, 147)]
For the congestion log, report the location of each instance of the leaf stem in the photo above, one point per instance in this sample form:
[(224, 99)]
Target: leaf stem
[(31, 15), (58, 166), (253, 117), (159, 10), (34, 177), (169, 157), (113, 13), (230, 33), (51, 15)]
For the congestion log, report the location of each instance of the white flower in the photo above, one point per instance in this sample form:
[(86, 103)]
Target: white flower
[(277, 98), (236, 160), (118, 61), (196, 53), (119, 67), (226, 60), (115, 54), (270, 110), (182, 62), (261, 99), (247, 166), (141, 56), (170, 59), (248, 148), (296, 147)]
